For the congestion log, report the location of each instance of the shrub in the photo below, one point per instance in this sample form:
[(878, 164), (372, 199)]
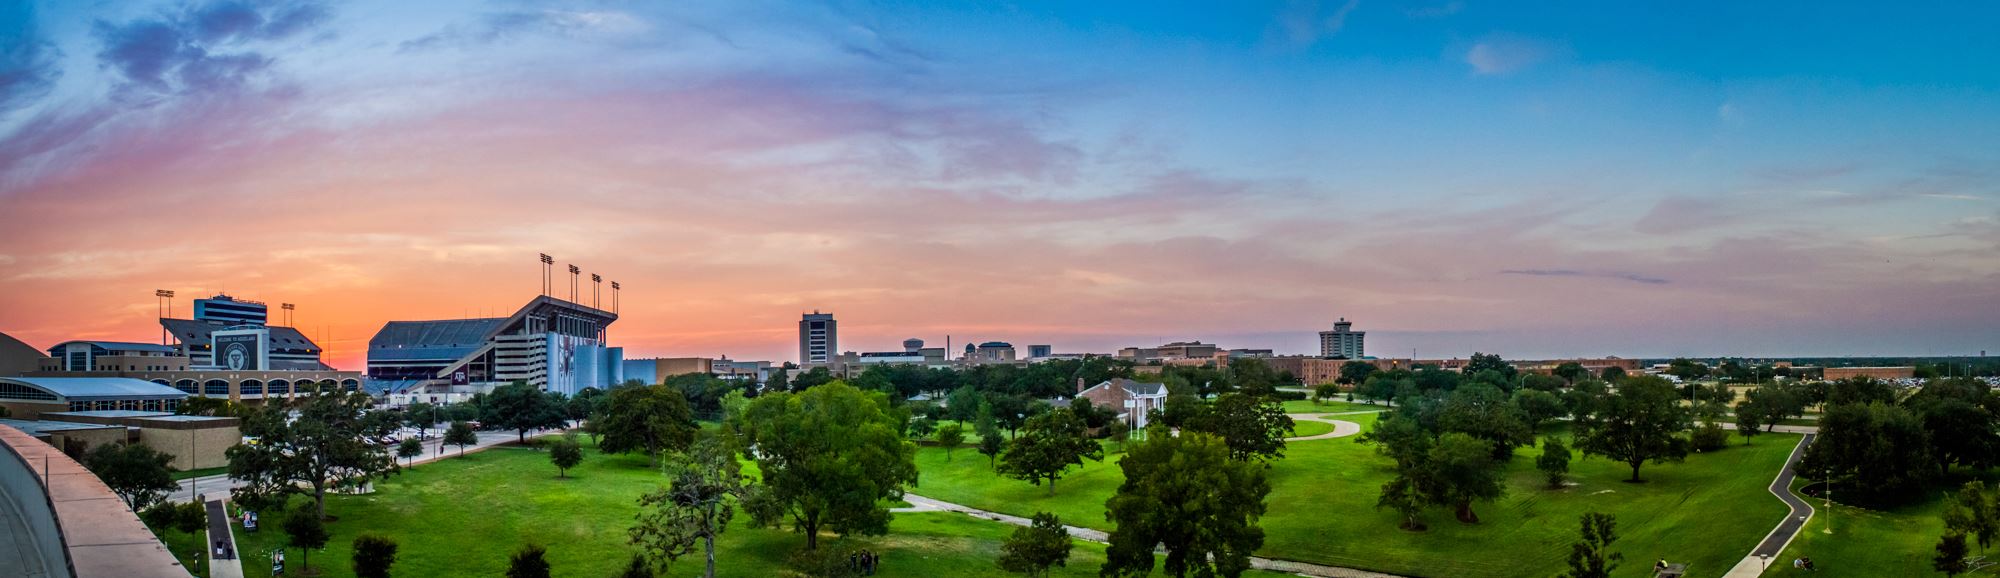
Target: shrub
[(1708, 437)]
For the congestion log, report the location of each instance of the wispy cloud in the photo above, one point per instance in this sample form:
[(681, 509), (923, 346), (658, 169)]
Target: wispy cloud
[(1304, 22), (1633, 277), (1504, 54)]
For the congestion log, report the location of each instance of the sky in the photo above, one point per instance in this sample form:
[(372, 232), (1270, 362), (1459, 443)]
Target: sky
[(1535, 180)]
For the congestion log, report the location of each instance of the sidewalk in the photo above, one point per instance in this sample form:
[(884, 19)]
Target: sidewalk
[(227, 565), (923, 504)]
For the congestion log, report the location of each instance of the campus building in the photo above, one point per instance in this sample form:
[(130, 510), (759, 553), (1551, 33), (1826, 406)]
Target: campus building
[(819, 339), (550, 343), (1343, 341), (78, 413), (1170, 351), (1131, 399)]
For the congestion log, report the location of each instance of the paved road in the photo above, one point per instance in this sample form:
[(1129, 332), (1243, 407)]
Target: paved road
[(1341, 428), (1781, 536), (923, 504)]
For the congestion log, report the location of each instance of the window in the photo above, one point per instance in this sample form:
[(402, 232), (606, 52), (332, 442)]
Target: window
[(13, 391), (215, 387)]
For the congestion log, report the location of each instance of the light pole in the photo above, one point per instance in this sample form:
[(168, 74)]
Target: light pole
[(165, 297)]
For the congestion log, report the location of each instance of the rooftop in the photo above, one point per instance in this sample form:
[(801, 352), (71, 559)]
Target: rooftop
[(119, 346), (37, 428), (97, 388), (110, 413)]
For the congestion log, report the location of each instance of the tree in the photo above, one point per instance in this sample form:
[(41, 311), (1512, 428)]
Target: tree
[(695, 507), (1570, 372), (1356, 372), (1589, 557), (1950, 558), (991, 445), (1612, 374), (1048, 446), (1537, 407), (1462, 470), (950, 437), (1957, 415), (1186, 494), (830, 456), (136, 472), (1749, 421), (1639, 422), (331, 443), (531, 561), (1035, 548), (646, 419), (1489, 362), (1877, 448), (1401, 494), (421, 415), (1772, 403), (1252, 376), (1483, 411), (460, 434), (1326, 392), (522, 407), (373, 555), (1554, 462), (922, 427), (305, 531), (584, 404), (1971, 511), (566, 453), (1686, 369), (186, 518), (1708, 437), (409, 449), (1251, 426), (812, 378)]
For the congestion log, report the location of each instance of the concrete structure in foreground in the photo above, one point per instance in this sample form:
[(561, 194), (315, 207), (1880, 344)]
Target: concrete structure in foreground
[(64, 523)]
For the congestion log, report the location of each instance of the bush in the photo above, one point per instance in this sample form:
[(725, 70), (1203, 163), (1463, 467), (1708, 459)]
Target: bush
[(1289, 395), (1708, 437)]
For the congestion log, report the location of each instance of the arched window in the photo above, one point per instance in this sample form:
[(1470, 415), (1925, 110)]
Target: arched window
[(279, 387), (215, 387), (350, 384), (187, 385), (253, 387)]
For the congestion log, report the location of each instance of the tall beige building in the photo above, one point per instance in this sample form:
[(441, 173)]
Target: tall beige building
[(1343, 341)]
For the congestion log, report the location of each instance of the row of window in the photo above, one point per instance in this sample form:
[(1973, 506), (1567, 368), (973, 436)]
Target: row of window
[(125, 404)]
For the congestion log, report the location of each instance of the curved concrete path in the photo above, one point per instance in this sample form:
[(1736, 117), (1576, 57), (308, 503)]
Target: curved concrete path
[(1341, 428), (1766, 552), (923, 504)]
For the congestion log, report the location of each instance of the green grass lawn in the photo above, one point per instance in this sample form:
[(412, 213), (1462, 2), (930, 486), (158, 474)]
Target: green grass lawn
[(1307, 406), (463, 516), (1303, 428), (188, 548), (1708, 511), (1898, 541)]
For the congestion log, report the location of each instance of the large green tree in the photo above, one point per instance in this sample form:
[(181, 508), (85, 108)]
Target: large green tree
[(332, 442), (459, 434), (1356, 372), (1185, 494), (830, 456), (694, 509), (1047, 447), (1639, 422), (1253, 427), (522, 407), (1958, 414), (1463, 470), (646, 419), (950, 437), (565, 453), (136, 472), (1877, 448)]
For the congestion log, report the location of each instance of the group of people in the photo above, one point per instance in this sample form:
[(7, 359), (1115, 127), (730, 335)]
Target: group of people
[(863, 562), (1804, 563)]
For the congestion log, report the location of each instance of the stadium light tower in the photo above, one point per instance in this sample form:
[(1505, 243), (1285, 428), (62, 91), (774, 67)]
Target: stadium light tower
[(596, 283), (573, 272), (547, 263), (614, 297), (164, 305), (288, 312)]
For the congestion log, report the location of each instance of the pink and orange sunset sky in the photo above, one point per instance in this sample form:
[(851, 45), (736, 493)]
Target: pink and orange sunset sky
[(1452, 176)]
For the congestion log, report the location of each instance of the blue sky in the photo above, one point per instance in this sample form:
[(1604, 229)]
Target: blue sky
[(1559, 178)]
